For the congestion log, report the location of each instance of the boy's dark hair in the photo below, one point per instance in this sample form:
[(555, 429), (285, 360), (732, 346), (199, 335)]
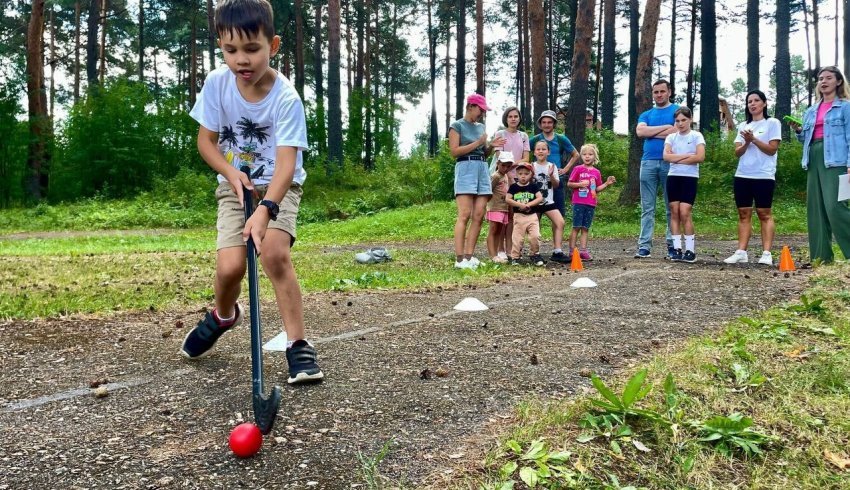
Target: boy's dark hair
[(660, 81), (246, 18)]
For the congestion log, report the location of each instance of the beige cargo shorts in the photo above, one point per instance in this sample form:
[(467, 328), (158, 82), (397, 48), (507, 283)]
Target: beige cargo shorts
[(231, 215)]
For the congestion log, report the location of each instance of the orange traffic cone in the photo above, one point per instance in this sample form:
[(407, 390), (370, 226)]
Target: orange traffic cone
[(576, 266), (786, 263)]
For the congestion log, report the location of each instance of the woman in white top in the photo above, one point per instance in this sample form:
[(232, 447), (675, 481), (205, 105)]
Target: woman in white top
[(755, 179)]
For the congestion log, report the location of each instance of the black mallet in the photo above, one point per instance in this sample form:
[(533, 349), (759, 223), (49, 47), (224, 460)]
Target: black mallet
[(265, 407)]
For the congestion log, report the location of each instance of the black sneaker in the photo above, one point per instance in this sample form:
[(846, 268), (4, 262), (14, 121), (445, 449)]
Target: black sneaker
[(537, 260), (301, 358), (514, 261), (670, 252), (203, 337), (677, 256), (560, 257), (689, 257), (642, 253)]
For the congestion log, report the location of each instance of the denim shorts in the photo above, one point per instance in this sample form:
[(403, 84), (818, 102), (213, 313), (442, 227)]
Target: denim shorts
[(583, 215), (472, 177)]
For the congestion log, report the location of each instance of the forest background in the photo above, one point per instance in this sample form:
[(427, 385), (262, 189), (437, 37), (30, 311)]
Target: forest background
[(107, 85)]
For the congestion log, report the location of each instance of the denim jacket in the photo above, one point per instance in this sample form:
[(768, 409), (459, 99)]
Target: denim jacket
[(836, 134)]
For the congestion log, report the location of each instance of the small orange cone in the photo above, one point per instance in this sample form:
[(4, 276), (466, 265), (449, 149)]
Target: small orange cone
[(576, 266), (786, 263)]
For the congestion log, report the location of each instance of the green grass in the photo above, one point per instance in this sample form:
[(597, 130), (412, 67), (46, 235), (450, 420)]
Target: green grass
[(801, 405), (97, 273)]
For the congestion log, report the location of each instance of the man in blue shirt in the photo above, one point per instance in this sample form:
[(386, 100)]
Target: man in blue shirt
[(653, 126)]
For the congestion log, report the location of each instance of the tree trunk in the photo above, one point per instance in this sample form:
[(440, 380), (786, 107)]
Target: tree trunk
[(349, 64), (299, 47), (142, 41), (334, 102), (550, 60), (359, 67), (211, 33), (783, 62), (753, 55), (103, 8), (193, 60), (369, 101), (846, 28), (479, 48), (642, 94), (816, 24), (321, 137), (432, 75), (709, 105), (691, 96), (52, 62), (448, 79), (597, 86), (520, 64), (810, 84), (526, 63), (38, 156), (571, 35), (537, 30), (609, 58), (77, 9), (93, 23), (575, 125), (460, 60), (673, 34)]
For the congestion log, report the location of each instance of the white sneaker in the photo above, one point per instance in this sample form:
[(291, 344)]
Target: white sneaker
[(463, 264), (503, 255), (766, 258), (474, 262), (739, 257)]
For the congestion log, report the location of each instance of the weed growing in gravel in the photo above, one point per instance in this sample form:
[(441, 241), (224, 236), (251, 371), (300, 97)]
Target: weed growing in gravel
[(369, 466)]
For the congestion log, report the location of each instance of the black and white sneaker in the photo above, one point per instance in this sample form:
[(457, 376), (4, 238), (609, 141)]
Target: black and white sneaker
[(203, 337), (560, 257), (303, 367), (689, 257), (677, 255), (537, 260)]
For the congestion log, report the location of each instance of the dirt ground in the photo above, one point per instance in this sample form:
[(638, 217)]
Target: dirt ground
[(165, 421)]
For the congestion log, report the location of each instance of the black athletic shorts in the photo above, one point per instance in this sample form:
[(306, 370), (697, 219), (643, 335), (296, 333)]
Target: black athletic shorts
[(544, 208), (759, 191), (682, 189)]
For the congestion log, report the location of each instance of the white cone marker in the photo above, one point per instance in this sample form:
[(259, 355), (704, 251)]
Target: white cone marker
[(278, 343), (471, 304), (583, 282)]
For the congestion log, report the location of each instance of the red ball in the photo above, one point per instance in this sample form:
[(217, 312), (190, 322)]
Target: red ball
[(245, 440)]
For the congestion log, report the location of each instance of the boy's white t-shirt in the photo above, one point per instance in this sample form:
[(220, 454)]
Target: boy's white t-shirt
[(544, 181), (684, 144), (755, 164), (250, 132)]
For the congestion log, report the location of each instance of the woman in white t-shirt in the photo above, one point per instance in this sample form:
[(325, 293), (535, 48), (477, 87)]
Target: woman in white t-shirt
[(756, 146), (684, 149)]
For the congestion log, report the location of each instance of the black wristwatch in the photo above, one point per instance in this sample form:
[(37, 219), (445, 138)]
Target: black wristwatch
[(273, 208)]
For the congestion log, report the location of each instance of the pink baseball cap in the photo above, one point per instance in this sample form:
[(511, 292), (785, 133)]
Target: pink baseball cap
[(477, 99)]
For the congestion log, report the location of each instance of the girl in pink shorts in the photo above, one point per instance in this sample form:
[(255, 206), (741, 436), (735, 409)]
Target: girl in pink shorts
[(497, 209)]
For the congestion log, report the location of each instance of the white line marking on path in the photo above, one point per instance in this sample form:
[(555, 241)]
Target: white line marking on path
[(78, 392)]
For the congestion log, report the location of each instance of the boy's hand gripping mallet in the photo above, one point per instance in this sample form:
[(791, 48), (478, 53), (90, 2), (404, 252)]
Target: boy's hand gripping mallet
[(265, 407)]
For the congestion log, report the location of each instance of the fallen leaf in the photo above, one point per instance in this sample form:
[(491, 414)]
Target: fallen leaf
[(640, 447), (441, 372), (839, 460), (456, 455)]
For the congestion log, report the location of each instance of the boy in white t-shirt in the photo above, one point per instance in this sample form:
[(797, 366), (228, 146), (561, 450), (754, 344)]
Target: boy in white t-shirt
[(684, 149), (250, 115)]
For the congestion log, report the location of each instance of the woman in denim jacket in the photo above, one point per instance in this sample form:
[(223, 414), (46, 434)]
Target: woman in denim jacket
[(825, 135)]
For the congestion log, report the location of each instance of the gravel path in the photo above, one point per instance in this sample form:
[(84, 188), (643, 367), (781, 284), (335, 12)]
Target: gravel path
[(401, 367)]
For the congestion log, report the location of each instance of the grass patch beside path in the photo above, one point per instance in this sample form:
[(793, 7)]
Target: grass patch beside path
[(52, 285), (787, 371)]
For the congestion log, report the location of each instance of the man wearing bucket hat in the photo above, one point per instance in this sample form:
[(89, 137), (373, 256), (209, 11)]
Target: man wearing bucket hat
[(468, 144), (562, 153)]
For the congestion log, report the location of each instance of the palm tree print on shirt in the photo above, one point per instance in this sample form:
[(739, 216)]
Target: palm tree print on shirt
[(252, 136)]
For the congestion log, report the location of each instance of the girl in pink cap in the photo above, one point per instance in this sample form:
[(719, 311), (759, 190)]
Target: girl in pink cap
[(469, 146)]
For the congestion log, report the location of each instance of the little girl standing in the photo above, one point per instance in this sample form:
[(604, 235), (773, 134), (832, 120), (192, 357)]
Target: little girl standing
[(684, 150), (497, 208), (586, 183)]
